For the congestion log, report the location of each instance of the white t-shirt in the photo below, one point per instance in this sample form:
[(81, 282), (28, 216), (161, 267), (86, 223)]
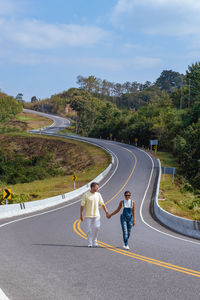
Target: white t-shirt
[(91, 203)]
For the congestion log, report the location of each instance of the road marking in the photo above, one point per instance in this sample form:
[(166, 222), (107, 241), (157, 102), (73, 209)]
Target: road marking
[(131, 254), (3, 296), (78, 230), (133, 169), (141, 216), (142, 203)]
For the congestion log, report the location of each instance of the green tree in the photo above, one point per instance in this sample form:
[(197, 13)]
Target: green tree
[(170, 80), (9, 107)]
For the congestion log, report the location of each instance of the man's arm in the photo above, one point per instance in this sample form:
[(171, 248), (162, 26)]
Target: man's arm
[(105, 209), (81, 213)]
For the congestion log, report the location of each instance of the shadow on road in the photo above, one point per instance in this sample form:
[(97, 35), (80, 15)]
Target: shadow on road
[(74, 246)]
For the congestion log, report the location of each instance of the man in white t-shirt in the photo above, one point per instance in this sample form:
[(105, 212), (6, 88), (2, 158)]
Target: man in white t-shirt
[(90, 202)]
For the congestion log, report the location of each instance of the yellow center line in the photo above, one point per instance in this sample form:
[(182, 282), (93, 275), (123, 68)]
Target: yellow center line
[(78, 230), (137, 256), (129, 177)]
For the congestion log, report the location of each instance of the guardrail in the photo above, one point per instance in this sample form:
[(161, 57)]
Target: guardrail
[(184, 226), (13, 210)]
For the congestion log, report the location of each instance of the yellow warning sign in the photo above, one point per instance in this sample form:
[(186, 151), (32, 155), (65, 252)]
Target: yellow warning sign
[(74, 177), (7, 194)]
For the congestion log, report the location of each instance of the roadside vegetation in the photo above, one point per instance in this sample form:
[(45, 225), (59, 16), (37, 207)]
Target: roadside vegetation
[(178, 198), (36, 167), (167, 110)]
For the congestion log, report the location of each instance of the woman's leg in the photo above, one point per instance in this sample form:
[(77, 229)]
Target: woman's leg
[(129, 227), (124, 230)]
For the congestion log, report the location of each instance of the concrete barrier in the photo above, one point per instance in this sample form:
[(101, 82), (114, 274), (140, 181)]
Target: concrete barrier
[(181, 225)]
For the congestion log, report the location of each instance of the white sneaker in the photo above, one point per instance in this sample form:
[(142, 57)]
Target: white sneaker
[(95, 244), (89, 246), (126, 247)]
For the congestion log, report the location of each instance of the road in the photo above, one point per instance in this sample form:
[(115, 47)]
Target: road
[(45, 256)]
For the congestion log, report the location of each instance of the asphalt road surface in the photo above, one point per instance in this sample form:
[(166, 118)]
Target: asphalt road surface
[(45, 256)]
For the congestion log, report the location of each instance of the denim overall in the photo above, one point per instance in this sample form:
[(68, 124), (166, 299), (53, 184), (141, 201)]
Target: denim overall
[(126, 222)]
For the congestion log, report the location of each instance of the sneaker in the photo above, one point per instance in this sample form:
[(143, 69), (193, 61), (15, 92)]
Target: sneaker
[(126, 247), (89, 246), (95, 244)]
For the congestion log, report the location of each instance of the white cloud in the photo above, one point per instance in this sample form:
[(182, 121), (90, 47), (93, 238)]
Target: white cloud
[(169, 17), (10, 7), (39, 35)]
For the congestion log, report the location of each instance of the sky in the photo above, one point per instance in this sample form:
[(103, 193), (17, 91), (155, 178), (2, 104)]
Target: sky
[(45, 45)]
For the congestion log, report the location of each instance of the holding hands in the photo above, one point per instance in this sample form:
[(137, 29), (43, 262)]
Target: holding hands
[(108, 215)]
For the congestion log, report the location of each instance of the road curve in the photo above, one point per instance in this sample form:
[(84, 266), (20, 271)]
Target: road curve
[(45, 256)]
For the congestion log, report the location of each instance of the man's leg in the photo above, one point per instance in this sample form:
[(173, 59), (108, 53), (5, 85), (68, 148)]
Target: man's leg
[(89, 231), (96, 228)]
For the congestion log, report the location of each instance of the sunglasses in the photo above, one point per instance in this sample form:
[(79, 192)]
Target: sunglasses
[(127, 195)]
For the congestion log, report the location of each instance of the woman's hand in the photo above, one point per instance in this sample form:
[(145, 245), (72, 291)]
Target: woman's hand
[(108, 215)]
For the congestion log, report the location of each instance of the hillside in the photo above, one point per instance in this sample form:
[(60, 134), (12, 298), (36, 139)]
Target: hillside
[(171, 114), (37, 167)]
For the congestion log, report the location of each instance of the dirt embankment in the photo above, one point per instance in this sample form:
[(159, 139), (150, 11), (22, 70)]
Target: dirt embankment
[(70, 156)]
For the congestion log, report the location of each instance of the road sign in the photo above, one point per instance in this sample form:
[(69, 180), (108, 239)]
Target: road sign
[(111, 134), (74, 177), (7, 194), (170, 171), (136, 140), (153, 142)]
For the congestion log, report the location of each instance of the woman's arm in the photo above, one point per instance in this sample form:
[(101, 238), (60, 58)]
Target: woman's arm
[(117, 210), (133, 213)]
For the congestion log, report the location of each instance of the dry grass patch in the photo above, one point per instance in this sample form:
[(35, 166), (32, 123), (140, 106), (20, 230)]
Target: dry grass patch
[(85, 160)]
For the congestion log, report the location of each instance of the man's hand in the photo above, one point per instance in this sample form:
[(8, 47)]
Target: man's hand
[(81, 218)]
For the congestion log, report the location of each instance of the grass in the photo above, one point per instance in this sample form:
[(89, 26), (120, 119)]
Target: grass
[(33, 121), (177, 198), (49, 187)]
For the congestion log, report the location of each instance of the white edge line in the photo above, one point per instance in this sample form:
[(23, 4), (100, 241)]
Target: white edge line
[(3, 296), (141, 206)]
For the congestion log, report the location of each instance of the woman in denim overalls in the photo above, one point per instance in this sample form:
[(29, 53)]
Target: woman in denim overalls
[(127, 217)]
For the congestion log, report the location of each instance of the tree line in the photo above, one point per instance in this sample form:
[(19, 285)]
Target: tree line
[(168, 110)]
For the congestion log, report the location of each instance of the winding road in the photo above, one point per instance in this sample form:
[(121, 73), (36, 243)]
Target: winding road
[(45, 255)]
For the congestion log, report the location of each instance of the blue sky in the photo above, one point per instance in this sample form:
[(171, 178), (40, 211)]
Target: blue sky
[(46, 44)]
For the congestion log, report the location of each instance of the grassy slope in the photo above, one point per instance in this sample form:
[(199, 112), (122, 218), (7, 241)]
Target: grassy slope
[(177, 201), (49, 187), (33, 121)]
